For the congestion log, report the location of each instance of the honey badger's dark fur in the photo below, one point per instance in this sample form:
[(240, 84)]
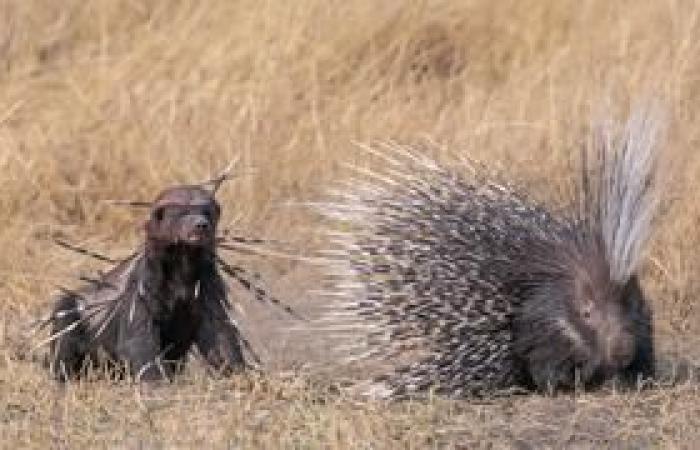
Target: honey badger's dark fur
[(151, 309), (471, 287)]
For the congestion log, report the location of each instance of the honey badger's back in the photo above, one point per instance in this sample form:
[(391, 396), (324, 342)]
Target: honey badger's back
[(484, 288)]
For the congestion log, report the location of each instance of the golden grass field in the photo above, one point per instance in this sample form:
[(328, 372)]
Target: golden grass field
[(115, 99)]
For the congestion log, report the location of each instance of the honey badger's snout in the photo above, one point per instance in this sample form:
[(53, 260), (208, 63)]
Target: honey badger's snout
[(196, 228)]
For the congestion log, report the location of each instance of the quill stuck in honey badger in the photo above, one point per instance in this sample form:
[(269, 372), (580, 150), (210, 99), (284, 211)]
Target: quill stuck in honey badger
[(148, 311)]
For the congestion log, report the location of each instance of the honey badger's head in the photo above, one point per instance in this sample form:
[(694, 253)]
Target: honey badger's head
[(183, 216)]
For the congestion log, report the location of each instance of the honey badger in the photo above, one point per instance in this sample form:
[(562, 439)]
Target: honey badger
[(146, 313)]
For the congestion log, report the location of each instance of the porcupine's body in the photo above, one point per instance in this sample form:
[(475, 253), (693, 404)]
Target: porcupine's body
[(476, 288), (149, 310)]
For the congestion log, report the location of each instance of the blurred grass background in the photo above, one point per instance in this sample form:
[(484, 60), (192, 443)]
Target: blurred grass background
[(115, 99)]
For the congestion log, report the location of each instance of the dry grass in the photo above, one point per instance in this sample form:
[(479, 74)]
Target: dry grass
[(105, 99)]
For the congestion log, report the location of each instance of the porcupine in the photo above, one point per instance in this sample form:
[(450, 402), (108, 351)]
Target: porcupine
[(477, 288), (144, 315)]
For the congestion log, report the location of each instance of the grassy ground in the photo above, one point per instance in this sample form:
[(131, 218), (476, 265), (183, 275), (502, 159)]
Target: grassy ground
[(114, 99)]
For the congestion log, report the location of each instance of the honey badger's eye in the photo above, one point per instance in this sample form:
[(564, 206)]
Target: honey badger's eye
[(158, 213), (211, 212)]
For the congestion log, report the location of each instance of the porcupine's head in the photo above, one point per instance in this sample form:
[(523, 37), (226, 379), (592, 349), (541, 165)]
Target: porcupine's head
[(583, 317), (578, 327), (184, 216)]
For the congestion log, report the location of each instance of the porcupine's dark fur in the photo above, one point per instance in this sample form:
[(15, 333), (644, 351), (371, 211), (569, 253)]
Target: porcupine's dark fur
[(146, 313), (476, 288)]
